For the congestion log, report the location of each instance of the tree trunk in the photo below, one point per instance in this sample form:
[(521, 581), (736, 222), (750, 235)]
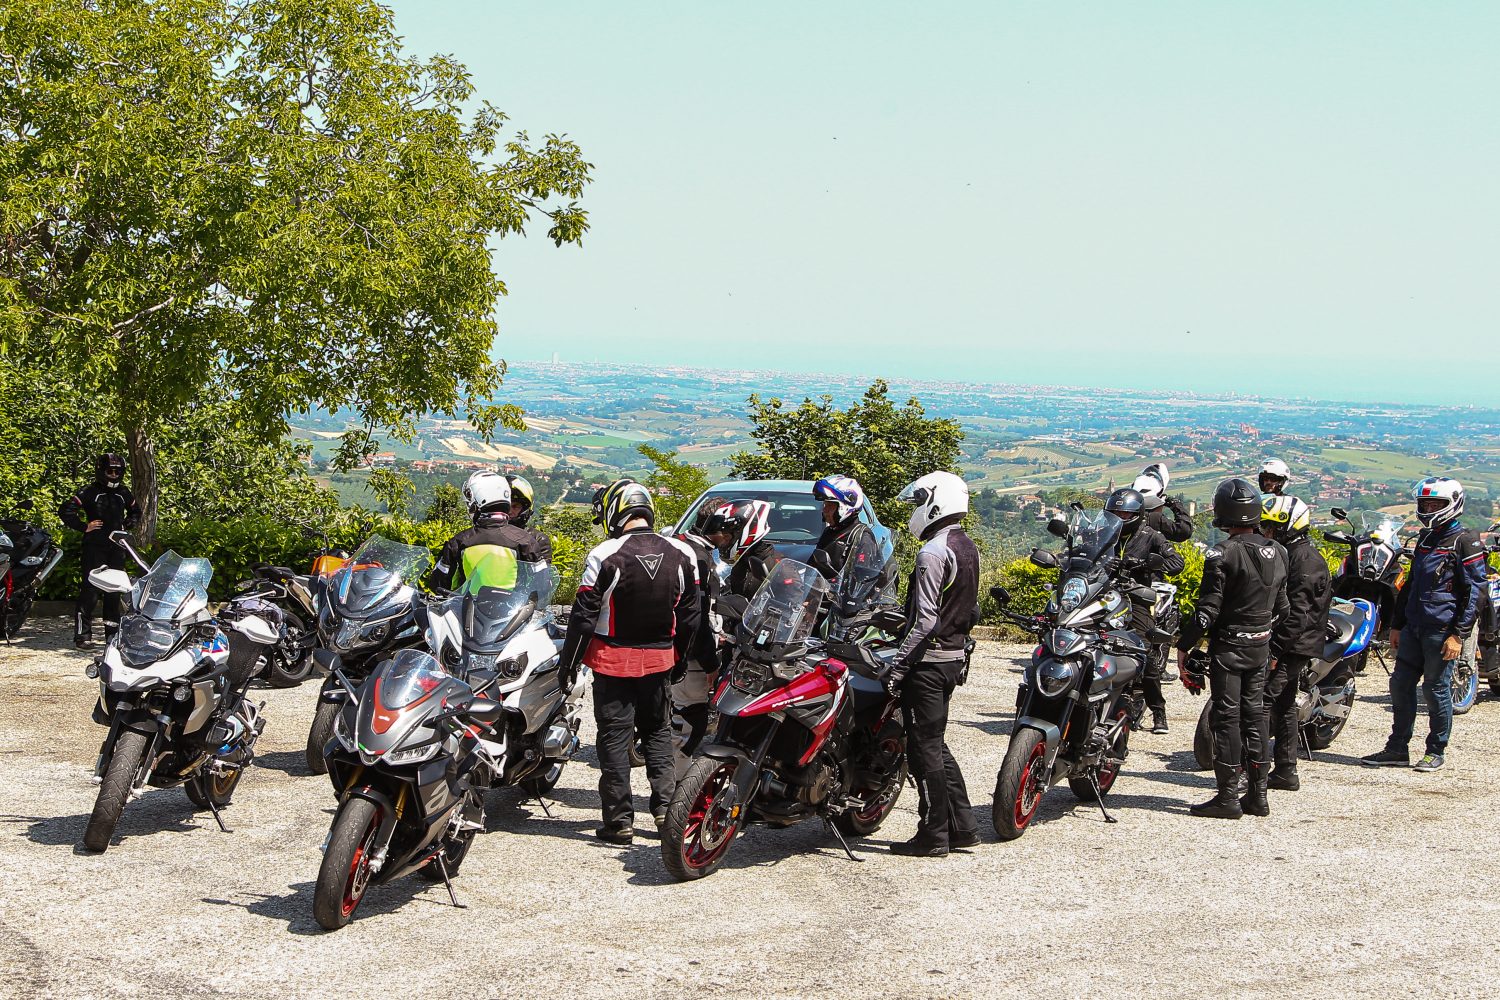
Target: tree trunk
[(143, 480)]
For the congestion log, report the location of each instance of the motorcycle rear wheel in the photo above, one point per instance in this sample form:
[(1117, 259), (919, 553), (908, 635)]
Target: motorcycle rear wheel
[(1321, 734), (345, 872), (700, 829), (1465, 686), (203, 787), (866, 822), (1107, 772), (300, 669), (320, 733), (1203, 742), (1020, 785), (544, 781), (114, 790)]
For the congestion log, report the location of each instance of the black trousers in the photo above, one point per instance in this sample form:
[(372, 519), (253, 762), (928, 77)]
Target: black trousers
[(942, 798), (1237, 706), (95, 556), (1281, 705), (626, 707), (1143, 622)]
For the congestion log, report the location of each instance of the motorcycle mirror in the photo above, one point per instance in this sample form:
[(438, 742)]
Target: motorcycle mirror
[(1338, 536), (1057, 526), (1076, 505), (1043, 558), (1340, 513), (822, 562), (1001, 595), (485, 711), (111, 581)]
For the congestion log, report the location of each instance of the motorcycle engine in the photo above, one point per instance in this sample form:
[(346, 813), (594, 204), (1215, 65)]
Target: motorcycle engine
[(816, 782)]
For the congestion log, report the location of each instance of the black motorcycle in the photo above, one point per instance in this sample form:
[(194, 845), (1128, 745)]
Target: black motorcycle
[(1077, 701), (28, 555), (369, 606), (403, 764)]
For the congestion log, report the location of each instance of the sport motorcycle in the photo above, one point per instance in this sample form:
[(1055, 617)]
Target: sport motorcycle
[(171, 689), (805, 727), (406, 764), (28, 555), (1076, 703), (369, 607)]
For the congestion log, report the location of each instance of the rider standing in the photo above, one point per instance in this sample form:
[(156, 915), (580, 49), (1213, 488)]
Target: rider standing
[(1148, 557), (488, 497), (1274, 475), (522, 506), (1299, 637), (690, 694), (1435, 612), (97, 509), (1166, 514)]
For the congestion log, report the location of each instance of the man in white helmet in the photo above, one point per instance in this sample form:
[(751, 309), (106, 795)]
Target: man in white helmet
[(1165, 514), (942, 608), (487, 495), (1274, 475)]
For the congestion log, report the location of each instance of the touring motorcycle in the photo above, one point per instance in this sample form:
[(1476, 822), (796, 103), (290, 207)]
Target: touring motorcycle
[(300, 597), (496, 634), (805, 727), (27, 557), (368, 607), (405, 761), (1076, 703), (1373, 571), (1326, 688), (171, 689)]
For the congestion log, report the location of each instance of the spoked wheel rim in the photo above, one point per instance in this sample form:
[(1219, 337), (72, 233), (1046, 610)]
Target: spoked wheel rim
[(885, 794), (358, 879), (221, 785), (1465, 683), (1029, 793), (711, 821)]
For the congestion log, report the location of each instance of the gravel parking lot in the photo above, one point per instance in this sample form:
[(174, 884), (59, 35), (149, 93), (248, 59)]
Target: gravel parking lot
[(1366, 883)]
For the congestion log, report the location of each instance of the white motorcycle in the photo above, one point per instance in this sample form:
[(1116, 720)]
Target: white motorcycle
[(496, 634), (172, 686)]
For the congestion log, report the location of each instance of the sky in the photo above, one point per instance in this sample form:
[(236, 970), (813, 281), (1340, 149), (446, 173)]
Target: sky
[(1282, 199)]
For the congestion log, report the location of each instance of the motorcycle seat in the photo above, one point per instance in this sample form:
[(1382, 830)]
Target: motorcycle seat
[(1344, 620)]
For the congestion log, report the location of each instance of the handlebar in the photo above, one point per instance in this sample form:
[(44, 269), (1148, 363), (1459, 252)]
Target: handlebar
[(122, 539)]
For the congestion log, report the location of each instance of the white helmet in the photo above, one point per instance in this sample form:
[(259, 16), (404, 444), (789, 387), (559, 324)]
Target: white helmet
[(842, 490), (1151, 484), (487, 493), (1276, 469), (936, 495), (1442, 498)]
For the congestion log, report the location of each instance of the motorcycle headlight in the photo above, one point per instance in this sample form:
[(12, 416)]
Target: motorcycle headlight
[(412, 755), (375, 633), (1072, 594), (1055, 676), (341, 731)]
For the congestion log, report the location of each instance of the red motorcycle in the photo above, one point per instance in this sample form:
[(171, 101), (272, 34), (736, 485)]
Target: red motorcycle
[(805, 727)]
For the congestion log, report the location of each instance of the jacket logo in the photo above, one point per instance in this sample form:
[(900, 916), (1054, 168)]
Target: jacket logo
[(1267, 552), (651, 564)]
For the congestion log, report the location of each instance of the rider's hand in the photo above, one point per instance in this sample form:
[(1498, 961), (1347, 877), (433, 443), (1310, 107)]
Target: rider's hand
[(1453, 647), (1395, 638), (892, 683), (1154, 561), (94, 526)]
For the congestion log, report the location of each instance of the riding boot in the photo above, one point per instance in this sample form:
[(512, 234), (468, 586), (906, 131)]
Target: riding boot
[(1284, 778), (1225, 804), (1254, 803)]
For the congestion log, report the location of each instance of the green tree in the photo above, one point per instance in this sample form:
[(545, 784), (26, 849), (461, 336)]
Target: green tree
[(259, 200), (880, 444), (675, 484)]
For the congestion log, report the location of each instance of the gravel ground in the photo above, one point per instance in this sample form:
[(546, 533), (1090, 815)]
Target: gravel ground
[(1366, 883)]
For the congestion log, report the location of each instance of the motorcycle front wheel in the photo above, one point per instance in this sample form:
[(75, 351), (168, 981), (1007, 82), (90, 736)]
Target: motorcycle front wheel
[(702, 822), (1020, 784), (1465, 686), (320, 733), (114, 790), (345, 873)]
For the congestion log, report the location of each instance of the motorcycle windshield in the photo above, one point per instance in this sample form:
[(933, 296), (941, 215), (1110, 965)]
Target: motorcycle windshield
[(785, 607), (864, 572), (408, 677), (374, 573), (1384, 531), (172, 583), (499, 597), (1095, 533)]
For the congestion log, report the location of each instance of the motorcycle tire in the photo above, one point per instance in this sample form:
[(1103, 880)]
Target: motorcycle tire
[(279, 675), (1320, 736), (1019, 787), (543, 782), (345, 872), (1203, 742), (1465, 686), (15, 616), (203, 787), (862, 824), (319, 733), (114, 790), (684, 851)]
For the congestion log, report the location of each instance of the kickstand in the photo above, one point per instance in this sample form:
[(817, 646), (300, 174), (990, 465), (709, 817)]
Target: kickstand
[(215, 810), (1099, 798), (1307, 745), (443, 870), (839, 835), (1379, 655), (543, 803)]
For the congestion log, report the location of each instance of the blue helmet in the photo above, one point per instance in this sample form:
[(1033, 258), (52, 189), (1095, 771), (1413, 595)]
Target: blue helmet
[(842, 490)]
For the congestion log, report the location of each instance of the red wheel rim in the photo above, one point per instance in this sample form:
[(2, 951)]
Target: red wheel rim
[(886, 793), (711, 823), (1029, 795), (1110, 768), (359, 869)]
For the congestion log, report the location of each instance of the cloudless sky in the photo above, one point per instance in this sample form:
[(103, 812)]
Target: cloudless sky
[(1275, 198)]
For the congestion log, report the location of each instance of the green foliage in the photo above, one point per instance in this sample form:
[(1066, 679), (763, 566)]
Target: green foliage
[(573, 533), (882, 445), (264, 201), (447, 507), (392, 489), (675, 484)]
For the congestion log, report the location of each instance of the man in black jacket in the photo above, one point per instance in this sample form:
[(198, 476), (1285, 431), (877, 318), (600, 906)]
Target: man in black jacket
[(632, 622), (1165, 514), (1148, 557), (102, 506), (488, 496), (1242, 598), (1299, 637), (842, 498), (741, 529)]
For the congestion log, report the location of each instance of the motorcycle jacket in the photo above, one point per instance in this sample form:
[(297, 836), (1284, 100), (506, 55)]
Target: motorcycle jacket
[(1243, 594), (96, 501), (1141, 542), (752, 568), (637, 606), (1309, 591), (942, 599), (835, 540), (461, 553), (1447, 575), (1172, 520)]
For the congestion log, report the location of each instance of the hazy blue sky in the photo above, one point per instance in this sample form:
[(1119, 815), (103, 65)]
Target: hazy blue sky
[(1279, 198)]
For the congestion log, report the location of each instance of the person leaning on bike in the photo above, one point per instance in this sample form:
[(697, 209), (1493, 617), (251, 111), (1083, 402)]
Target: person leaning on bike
[(632, 623), (1242, 597), (1435, 611), (97, 509), (942, 607), (1299, 637), (1147, 557)]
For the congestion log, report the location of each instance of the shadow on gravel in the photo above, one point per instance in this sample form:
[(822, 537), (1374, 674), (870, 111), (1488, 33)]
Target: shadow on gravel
[(998, 724), (296, 907), (292, 762), (168, 811)]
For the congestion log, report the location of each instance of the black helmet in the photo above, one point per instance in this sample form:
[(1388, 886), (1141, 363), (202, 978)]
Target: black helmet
[(723, 516), (705, 514), (1236, 504), (109, 468), (1126, 504)]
